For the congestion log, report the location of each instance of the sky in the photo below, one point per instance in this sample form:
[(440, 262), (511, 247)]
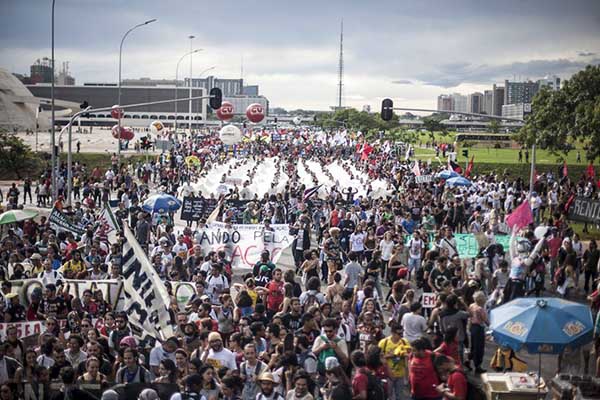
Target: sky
[(408, 50)]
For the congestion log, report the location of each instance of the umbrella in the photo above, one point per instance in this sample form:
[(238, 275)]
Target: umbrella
[(161, 203), (458, 181), (12, 216), (447, 174), (541, 325)]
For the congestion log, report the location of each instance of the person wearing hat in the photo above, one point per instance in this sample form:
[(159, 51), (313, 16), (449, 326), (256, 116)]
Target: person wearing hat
[(36, 264), (267, 387), (217, 355), (193, 387)]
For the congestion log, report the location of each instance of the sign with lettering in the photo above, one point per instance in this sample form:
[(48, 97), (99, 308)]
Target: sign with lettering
[(59, 221), (192, 208), (585, 210), (428, 300), (424, 179)]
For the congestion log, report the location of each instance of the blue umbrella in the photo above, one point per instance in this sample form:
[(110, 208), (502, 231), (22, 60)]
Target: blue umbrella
[(446, 174), (161, 203), (542, 324), (458, 181)]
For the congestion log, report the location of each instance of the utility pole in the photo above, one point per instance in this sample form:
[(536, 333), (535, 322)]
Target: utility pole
[(341, 66)]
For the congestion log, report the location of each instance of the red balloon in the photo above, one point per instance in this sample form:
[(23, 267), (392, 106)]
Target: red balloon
[(225, 113), (126, 132), (255, 112), (116, 112)]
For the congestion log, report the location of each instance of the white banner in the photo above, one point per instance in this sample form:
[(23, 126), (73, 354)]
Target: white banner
[(111, 289), (244, 243), (424, 179), (146, 298), (428, 300)]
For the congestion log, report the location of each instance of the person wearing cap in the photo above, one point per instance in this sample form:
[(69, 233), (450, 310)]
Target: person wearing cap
[(267, 388), (217, 355), (193, 387), (36, 264), (166, 350)]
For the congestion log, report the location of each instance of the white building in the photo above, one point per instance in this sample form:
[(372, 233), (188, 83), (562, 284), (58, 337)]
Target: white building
[(552, 82), (516, 110), (460, 102)]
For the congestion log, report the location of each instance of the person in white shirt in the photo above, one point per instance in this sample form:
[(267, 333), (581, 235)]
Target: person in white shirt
[(74, 354), (216, 283), (49, 276), (160, 353), (413, 324), (218, 356), (415, 251)]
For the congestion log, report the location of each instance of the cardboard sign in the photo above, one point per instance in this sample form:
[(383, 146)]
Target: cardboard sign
[(192, 208), (424, 179), (428, 300)]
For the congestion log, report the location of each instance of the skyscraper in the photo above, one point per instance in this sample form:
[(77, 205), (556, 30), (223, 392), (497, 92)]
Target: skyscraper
[(488, 102), (460, 102), (445, 102), (519, 92), (497, 99), (475, 102)]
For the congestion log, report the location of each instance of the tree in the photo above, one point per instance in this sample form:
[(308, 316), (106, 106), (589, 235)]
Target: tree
[(15, 156), (494, 126), (571, 114), (432, 125)]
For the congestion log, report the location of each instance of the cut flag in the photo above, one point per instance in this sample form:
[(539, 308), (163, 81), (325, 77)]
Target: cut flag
[(310, 192), (521, 217), (565, 171), (590, 171), (452, 166), (469, 167), (416, 169)]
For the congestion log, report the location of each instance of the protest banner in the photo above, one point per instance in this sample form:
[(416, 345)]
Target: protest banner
[(110, 289), (146, 298), (428, 300), (192, 208), (243, 244), (234, 210), (424, 179), (209, 207), (585, 210), (59, 221)]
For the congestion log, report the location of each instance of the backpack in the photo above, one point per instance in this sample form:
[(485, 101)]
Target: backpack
[(311, 300), (324, 355), (375, 390), (560, 276)]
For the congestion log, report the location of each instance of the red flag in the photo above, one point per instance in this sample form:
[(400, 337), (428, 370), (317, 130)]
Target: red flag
[(590, 172), (521, 217), (569, 202), (452, 166), (469, 167), (565, 171)]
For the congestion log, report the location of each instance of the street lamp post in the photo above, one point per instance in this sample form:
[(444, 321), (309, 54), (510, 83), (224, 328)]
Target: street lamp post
[(176, 80), (52, 133), (119, 90), (191, 37)]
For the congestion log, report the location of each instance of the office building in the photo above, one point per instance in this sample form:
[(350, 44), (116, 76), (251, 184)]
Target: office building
[(251, 90), (475, 103), (516, 110), (497, 100), (488, 102), (551, 82), (519, 92), (41, 71), (459, 102), (445, 103), (230, 87)]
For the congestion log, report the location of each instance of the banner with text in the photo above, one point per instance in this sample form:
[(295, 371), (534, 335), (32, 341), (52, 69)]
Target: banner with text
[(58, 220), (244, 243), (585, 210)]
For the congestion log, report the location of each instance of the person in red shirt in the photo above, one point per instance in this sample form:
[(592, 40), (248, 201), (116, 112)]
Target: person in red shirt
[(454, 386), (449, 346), (360, 380), (421, 372), (275, 293)]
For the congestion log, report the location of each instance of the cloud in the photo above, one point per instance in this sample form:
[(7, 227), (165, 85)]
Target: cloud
[(586, 54), (402, 82), (452, 75)]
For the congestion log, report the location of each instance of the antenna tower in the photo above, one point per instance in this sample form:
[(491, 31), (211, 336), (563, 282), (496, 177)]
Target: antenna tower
[(341, 66)]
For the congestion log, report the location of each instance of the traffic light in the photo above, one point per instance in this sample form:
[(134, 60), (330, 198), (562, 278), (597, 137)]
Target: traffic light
[(387, 109), (465, 153), (275, 120), (216, 98)]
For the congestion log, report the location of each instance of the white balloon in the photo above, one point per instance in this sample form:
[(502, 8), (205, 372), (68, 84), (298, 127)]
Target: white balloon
[(230, 135), (157, 127)]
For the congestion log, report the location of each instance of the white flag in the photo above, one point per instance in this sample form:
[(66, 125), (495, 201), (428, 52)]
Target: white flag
[(416, 169), (146, 298), (107, 220)]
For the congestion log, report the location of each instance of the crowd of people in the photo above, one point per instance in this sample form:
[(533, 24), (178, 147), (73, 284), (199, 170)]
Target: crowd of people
[(346, 320)]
